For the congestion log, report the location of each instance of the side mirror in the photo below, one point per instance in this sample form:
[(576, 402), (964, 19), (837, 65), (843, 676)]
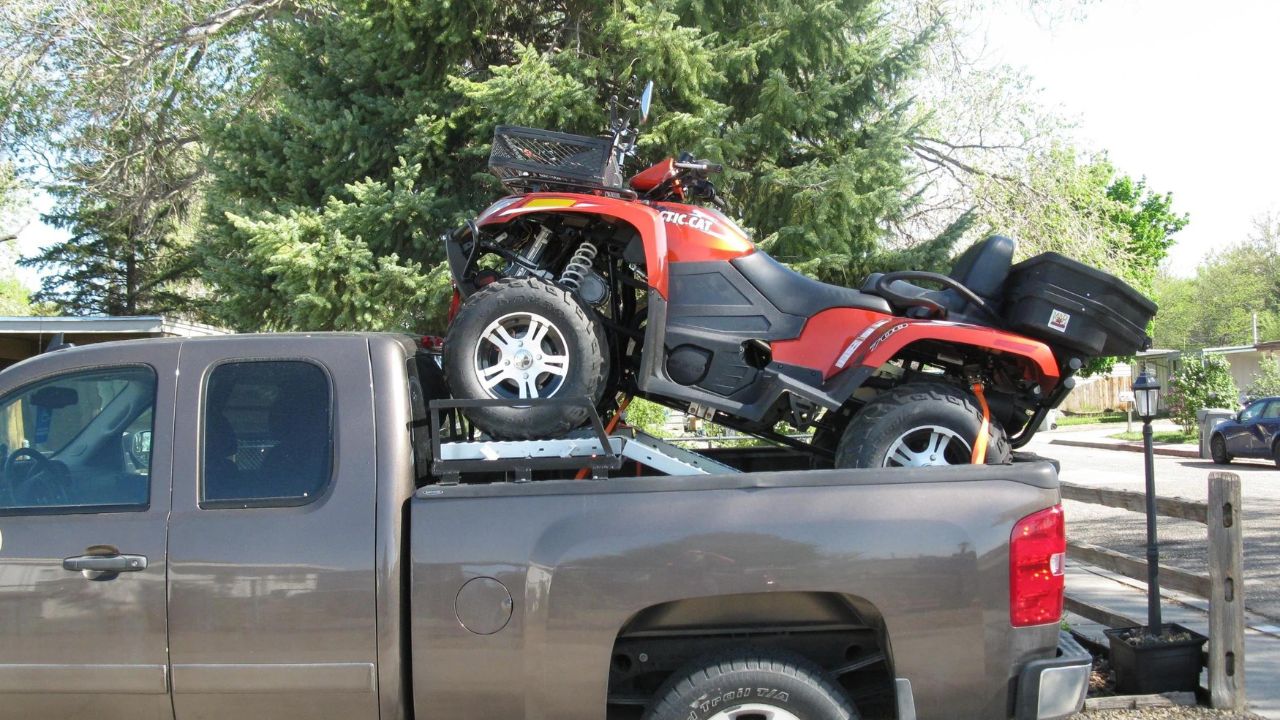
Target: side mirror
[(646, 100), (138, 447)]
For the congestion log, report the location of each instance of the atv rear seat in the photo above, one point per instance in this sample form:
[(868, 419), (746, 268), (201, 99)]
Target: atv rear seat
[(983, 268), (795, 294)]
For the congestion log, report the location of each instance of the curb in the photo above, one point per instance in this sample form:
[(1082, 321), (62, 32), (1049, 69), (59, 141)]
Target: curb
[(1139, 702), (1131, 447)]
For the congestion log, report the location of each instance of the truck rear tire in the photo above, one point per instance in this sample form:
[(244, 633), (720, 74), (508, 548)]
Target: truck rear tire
[(919, 424), (751, 685), (520, 338)]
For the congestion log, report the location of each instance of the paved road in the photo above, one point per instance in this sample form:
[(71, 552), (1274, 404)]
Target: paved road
[(1182, 543)]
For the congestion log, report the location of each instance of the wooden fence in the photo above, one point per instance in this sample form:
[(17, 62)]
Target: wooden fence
[(1223, 587), (1097, 395)]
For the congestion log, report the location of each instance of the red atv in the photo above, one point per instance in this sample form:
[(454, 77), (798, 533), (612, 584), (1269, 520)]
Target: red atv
[(578, 285)]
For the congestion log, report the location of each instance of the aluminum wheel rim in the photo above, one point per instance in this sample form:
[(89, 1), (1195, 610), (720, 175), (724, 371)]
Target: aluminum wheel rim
[(927, 446), (754, 711), (521, 355)]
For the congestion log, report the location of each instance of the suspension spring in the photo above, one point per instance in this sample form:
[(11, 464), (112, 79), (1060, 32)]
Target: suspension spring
[(578, 266)]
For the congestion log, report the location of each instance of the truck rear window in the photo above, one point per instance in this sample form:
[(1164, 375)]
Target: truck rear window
[(268, 434)]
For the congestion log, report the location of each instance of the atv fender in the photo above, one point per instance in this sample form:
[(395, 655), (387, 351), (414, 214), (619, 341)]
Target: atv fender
[(1042, 367), (848, 344), (646, 221)]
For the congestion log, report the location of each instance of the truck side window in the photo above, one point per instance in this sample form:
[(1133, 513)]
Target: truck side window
[(78, 442), (268, 434)]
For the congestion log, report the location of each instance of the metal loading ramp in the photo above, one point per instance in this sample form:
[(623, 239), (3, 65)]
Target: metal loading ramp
[(628, 444)]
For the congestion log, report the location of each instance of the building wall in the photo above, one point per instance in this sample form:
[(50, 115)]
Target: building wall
[(1243, 367), (1246, 365)]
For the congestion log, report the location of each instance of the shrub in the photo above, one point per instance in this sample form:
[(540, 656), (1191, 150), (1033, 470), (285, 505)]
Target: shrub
[(1265, 383), (647, 416), (1201, 385)]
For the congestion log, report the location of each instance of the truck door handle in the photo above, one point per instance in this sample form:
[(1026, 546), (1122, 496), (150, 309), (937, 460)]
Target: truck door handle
[(105, 563)]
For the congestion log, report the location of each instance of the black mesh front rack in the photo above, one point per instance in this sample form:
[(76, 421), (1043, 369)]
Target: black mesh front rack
[(526, 155)]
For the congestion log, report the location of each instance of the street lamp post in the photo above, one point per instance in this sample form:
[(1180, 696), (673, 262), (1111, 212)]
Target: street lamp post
[(1146, 392)]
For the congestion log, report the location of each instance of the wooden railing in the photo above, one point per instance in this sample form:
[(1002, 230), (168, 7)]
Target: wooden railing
[(1223, 586)]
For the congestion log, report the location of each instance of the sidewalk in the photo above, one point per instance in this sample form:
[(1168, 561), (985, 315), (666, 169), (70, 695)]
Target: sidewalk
[(1099, 436), (1129, 598)]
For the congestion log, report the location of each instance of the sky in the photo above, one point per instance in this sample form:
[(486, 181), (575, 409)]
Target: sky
[(1183, 92)]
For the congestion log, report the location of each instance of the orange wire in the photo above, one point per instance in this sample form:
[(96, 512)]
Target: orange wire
[(980, 445), (608, 429)]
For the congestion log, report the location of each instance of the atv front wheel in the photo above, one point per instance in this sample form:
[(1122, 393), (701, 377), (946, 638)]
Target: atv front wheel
[(917, 425), (524, 338)]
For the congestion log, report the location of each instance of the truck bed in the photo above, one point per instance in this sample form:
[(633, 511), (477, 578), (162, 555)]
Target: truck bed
[(562, 592)]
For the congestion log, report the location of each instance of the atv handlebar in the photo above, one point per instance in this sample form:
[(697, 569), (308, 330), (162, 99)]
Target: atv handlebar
[(700, 166)]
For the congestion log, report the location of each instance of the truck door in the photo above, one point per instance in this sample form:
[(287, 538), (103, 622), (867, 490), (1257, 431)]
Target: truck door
[(84, 494), (271, 578)]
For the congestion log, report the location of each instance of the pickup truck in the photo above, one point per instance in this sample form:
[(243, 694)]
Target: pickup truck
[(250, 526)]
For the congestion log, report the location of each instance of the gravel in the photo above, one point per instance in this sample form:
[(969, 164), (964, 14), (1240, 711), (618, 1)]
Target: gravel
[(1171, 713)]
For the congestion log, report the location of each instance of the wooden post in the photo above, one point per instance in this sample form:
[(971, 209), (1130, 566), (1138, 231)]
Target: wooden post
[(1226, 606)]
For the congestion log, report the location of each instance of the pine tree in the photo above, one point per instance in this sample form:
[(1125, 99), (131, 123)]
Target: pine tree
[(124, 255), (329, 202), (103, 103)]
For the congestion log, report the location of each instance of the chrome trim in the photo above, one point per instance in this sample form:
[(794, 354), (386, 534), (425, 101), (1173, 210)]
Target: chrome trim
[(274, 678), (85, 679), (906, 700)]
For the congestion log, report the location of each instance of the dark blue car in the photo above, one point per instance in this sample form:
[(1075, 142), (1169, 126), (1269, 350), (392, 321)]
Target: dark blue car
[(1255, 432)]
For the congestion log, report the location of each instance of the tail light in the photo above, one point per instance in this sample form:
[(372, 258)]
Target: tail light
[(1037, 554), (455, 303)]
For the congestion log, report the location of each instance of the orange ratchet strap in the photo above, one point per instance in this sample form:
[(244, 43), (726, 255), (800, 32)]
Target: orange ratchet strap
[(980, 444), (608, 429)]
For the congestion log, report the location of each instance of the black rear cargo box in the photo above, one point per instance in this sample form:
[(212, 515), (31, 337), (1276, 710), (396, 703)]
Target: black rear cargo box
[(1071, 305)]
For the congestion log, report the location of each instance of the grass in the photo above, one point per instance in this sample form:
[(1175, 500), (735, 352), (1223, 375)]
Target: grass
[(1090, 419), (1164, 436)]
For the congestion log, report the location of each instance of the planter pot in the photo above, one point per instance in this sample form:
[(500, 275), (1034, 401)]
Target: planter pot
[(1156, 667)]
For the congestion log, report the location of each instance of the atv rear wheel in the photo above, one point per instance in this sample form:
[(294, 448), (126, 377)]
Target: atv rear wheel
[(917, 425), (523, 338)]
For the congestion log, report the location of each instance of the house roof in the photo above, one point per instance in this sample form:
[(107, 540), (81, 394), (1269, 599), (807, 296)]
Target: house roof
[(1158, 353), (105, 325), (1238, 349)]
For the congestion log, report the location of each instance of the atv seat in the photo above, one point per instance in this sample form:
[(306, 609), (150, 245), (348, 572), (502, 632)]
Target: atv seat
[(796, 294), (983, 268)]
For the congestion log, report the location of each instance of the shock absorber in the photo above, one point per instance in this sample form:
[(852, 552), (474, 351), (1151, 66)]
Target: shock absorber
[(534, 253), (579, 266)]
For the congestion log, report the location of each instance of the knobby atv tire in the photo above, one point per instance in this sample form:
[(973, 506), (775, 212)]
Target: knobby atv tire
[(869, 436), (588, 368), (744, 678)]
